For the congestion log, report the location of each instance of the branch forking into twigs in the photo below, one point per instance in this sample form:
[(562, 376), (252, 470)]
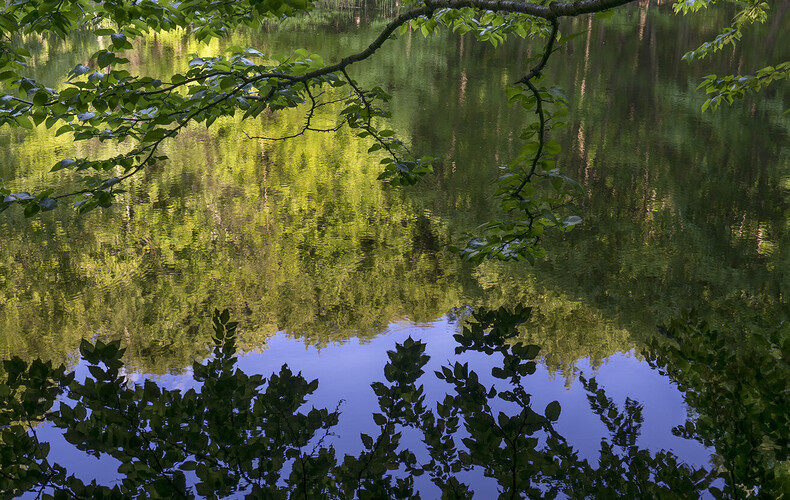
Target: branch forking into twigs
[(282, 80), (314, 105)]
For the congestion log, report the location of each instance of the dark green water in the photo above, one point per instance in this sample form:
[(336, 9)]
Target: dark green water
[(683, 210)]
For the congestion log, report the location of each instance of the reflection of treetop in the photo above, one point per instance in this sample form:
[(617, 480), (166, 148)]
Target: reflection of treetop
[(275, 448), (312, 231), (104, 101)]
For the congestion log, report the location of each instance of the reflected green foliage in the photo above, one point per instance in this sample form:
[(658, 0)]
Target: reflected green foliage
[(567, 329), (101, 100), (310, 245), (172, 443), (668, 219), (737, 384), (306, 242)]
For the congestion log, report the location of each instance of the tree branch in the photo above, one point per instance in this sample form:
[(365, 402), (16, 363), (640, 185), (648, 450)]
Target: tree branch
[(551, 12), (555, 26)]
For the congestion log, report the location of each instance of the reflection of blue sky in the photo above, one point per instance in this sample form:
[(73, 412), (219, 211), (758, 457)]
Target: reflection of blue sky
[(345, 372)]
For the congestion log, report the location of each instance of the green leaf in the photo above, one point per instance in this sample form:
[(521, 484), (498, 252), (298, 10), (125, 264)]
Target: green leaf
[(48, 204), (118, 40), (105, 59), (24, 122), (109, 182), (64, 163), (62, 130), (78, 70), (552, 411), (571, 220), (32, 209), (40, 98)]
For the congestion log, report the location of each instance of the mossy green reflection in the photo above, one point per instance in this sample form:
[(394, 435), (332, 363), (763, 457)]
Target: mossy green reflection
[(300, 237), (312, 245)]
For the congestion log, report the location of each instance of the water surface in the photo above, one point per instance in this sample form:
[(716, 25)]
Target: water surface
[(325, 267)]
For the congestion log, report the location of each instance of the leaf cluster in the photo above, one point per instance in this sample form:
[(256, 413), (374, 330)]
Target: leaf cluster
[(239, 434), (484, 25), (533, 191), (737, 384), (728, 88)]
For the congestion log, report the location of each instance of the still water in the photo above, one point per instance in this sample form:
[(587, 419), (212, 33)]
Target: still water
[(326, 269)]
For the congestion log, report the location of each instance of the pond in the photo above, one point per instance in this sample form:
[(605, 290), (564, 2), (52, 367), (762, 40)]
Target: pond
[(327, 269)]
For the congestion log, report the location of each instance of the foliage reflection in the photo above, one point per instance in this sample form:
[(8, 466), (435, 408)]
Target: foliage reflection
[(306, 241), (239, 434)]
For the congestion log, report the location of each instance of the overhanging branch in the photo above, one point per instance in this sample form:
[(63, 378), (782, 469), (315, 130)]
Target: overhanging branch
[(551, 12)]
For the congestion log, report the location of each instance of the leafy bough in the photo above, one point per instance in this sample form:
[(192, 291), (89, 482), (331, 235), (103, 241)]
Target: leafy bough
[(101, 100)]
